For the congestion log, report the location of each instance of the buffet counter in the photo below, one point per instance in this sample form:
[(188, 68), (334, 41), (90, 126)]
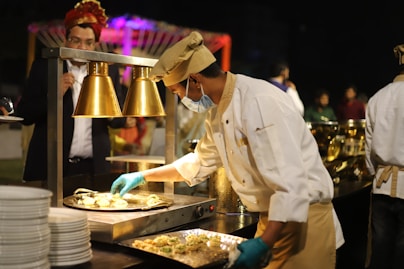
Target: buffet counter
[(351, 201)]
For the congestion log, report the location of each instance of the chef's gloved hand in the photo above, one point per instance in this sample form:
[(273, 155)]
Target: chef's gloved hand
[(253, 253), (126, 182)]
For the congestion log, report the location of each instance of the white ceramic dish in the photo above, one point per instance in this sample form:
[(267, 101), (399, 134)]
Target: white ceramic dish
[(38, 264), (22, 222), (55, 251), (66, 216), (16, 193), (69, 260), (9, 119)]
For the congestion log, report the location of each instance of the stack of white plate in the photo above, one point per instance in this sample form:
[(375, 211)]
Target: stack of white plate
[(24, 230), (70, 237)]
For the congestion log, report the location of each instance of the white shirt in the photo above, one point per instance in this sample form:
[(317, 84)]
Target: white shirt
[(296, 99), (270, 156), (384, 134), (82, 134)]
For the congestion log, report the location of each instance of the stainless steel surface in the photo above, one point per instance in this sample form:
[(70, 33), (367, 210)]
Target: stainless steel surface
[(55, 106), (55, 131), (205, 255), (96, 56), (112, 227), (171, 134)]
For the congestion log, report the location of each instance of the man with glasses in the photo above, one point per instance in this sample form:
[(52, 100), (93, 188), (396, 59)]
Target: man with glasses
[(85, 140)]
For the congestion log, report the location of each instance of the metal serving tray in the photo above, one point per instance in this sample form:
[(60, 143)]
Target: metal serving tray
[(203, 257), (133, 205)]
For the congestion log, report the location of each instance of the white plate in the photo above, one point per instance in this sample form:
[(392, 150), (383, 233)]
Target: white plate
[(26, 209), (23, 222), (66, 216), (41, 213), (55, 228), (22, 229), (43, 201), (68, 244), (9, 118), (81, 236), (67, 260), (25, 235), (25, 240), (54, 251), (21, 249), (38, 264), (17, 258), (23, 193)]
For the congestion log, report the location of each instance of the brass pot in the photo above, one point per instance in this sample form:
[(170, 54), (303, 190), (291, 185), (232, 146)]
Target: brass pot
[(220, 188)]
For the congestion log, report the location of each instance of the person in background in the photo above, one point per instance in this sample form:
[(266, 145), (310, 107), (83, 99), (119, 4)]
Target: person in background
[(271, 159), (85, 140), (279, 76), (385, 161), (320, 111), (350, 107), (363, 97)]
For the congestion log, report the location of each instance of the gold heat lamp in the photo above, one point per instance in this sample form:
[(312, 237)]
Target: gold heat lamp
[(142, 99), (97, 96)]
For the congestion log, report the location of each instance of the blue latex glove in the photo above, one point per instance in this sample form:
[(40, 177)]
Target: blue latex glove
[(253, 252), (126, 182)]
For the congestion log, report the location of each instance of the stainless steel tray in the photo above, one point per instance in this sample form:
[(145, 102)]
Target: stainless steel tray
[(139, 205), (203, 257)]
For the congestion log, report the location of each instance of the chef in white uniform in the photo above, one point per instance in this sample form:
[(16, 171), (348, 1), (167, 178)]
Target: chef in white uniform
[(271, 159)]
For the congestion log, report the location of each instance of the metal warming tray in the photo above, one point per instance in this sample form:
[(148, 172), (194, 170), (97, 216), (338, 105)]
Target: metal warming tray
[(105, 201), (115, 226), (208, 253)]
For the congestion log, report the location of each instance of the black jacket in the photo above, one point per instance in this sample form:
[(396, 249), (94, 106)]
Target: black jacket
[(33, 108)]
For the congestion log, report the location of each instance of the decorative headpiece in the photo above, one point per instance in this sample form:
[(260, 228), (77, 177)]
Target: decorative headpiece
[(87, 12)]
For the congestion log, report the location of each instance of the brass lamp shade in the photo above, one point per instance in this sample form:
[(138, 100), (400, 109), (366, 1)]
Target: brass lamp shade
[(142, 99), (97, 96)]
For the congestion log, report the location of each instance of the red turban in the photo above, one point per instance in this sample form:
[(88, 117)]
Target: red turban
[(87, 12)]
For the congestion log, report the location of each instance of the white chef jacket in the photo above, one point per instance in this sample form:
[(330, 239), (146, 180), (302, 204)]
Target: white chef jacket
[(384, 134), (270, 156)]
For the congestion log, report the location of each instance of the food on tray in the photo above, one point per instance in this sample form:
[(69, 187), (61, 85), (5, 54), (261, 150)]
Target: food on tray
[(150, 200), (102, 200), (168, 245), (92, 199)]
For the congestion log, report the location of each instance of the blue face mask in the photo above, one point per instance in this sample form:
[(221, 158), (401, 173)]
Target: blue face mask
[(197, 106)]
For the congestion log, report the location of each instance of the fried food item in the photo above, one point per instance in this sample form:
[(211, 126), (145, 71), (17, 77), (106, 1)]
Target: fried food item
[(102, 200), (168, 245)]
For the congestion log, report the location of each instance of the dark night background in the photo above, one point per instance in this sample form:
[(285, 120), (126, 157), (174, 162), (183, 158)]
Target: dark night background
[(327, 45)]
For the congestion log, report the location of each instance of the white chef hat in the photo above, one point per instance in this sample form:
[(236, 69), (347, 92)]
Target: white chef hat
[(187, 56)]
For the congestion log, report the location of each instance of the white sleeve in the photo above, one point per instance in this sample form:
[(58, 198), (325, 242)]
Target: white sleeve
[(296, 99)]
